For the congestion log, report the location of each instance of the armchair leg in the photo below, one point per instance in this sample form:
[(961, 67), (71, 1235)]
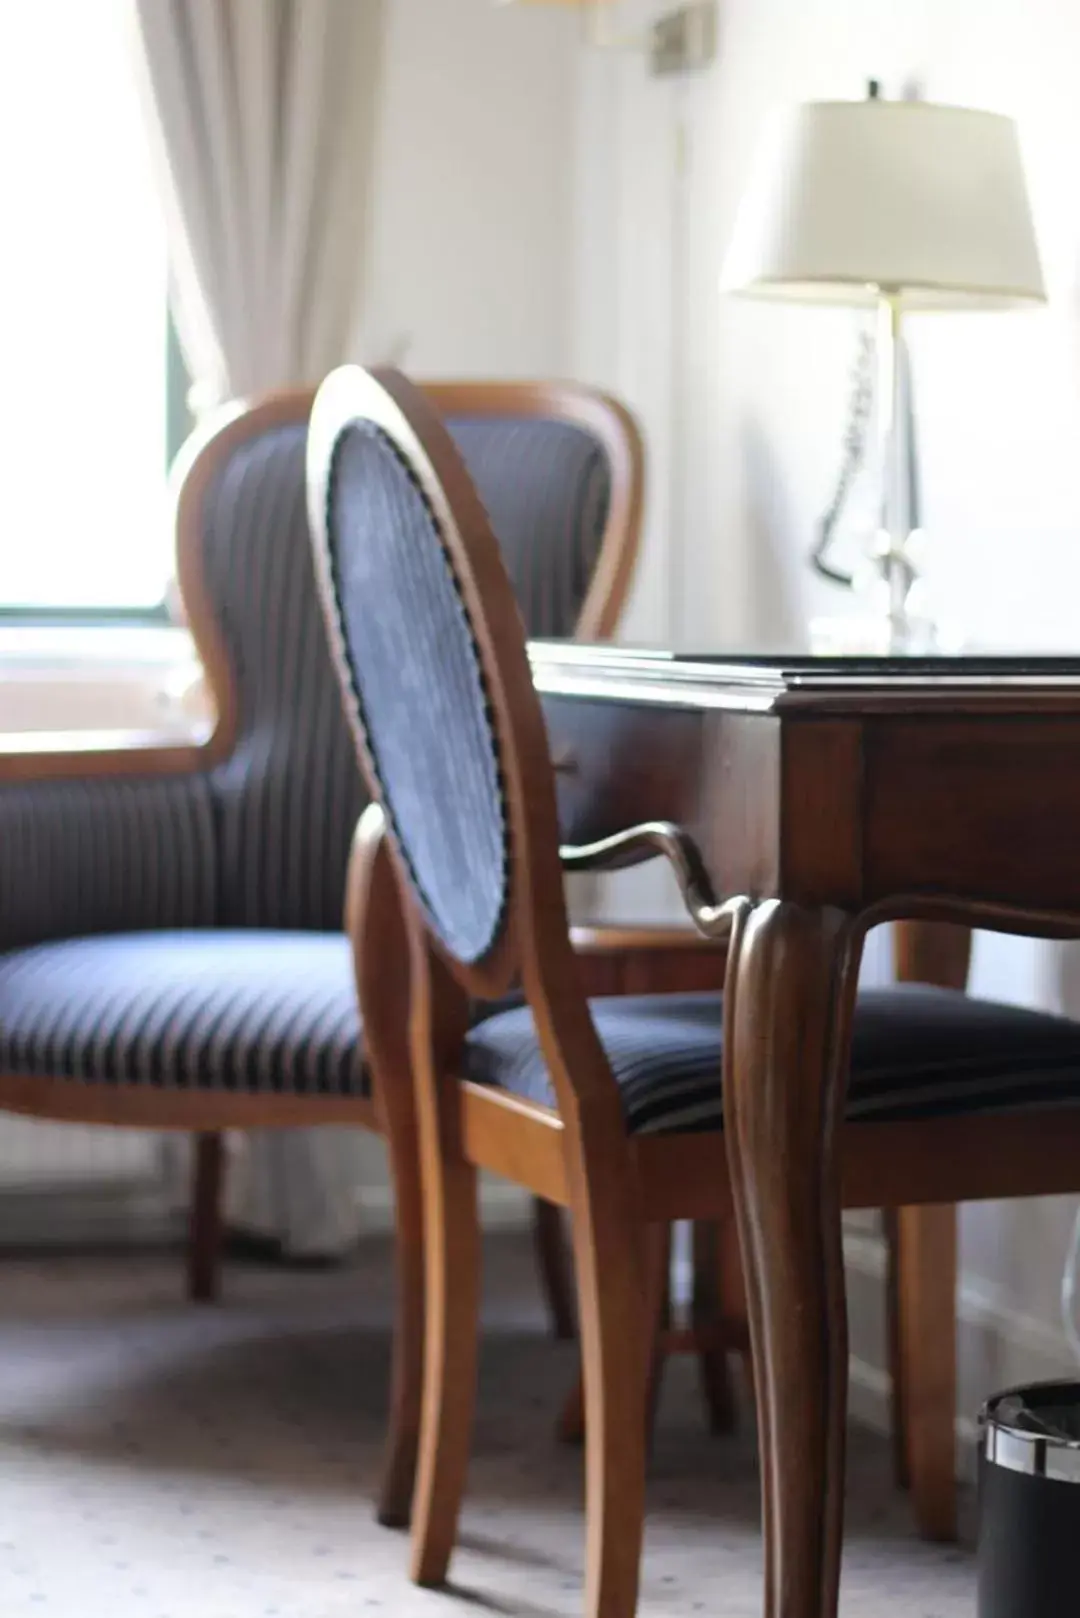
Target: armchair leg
[(205, 1228), (925, 1268), (556, 1276)]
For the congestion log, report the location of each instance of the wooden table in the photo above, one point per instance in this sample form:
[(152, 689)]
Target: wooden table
[(834, 794)]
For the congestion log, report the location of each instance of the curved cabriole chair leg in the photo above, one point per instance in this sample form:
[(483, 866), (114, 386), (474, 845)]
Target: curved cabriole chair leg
[(612, 1311), (394, 1508), (452, 1302)]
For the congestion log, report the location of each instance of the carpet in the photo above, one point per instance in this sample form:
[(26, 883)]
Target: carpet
[(170, 1461)]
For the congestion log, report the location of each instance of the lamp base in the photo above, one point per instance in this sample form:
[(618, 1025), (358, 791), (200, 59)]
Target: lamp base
[(895, 616), (875, 631), (871, 635)]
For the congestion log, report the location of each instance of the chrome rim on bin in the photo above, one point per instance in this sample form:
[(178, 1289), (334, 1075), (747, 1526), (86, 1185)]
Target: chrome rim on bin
[(1023, 1448)]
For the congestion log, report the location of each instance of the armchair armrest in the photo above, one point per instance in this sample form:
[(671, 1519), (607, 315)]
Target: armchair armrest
[(650, 840), (109, 832), (52, 755)]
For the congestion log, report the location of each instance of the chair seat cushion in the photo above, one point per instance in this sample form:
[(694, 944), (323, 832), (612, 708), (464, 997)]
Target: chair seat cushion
[(245, 1010), (917, 1052)]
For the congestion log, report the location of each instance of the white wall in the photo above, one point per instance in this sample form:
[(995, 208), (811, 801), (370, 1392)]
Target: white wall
[(470, 264), (744, 408)]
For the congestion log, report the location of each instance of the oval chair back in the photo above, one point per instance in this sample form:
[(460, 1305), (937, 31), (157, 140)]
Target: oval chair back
[(430, 649), (431, 655)]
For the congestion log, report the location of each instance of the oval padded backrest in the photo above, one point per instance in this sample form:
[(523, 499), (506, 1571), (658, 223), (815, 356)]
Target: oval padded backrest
[(417, 687)]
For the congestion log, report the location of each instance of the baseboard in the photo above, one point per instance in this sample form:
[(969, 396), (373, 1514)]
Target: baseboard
[(998, 1346), (112, 1215)]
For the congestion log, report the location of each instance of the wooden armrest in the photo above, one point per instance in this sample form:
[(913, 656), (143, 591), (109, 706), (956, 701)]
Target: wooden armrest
[(648, 960), (59, 755), (598, 938), (652, 839)]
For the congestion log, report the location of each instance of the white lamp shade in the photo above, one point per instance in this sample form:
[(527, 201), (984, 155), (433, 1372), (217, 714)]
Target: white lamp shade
[(850, 198)]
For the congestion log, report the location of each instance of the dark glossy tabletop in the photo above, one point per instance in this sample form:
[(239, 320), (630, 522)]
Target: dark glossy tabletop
[(767, 681)]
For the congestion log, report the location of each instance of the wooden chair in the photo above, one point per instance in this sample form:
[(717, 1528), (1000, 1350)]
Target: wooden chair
[(613, 1107), (171, 946)]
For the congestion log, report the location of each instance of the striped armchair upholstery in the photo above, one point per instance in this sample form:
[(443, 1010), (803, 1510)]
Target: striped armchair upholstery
[(96, 856), (251, 1011), (260, 840), (546, 487), (287, 799)]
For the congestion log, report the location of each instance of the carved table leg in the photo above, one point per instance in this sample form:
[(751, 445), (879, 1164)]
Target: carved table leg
[(790, 998)]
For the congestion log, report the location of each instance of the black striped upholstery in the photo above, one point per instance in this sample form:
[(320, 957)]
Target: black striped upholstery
[(917, 1052), (252, 1010), (417, 689), (546, 488), (262, 840), (288, 798), (99, 856)]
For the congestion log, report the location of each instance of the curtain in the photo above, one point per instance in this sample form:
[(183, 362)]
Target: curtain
[(261, 115)]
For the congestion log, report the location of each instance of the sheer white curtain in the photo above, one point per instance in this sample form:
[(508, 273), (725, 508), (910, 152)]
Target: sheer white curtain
[(261, 116)]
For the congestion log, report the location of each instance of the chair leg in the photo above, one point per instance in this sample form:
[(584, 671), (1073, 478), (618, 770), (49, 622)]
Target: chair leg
[(925, 1244), (556, 1274), (713, 1367), (571, 1427), (657, 1316), (205, 1225), (658, 1311), (614, 1341), (394, 1507), (452, 1299), (898, 1398)]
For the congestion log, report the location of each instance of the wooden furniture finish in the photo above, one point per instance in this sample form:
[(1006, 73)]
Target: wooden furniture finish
[(574, 1155), (825, 799), (607, 956)]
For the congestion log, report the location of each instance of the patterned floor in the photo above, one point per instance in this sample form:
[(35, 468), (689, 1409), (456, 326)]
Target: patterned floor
[(166, 1462)]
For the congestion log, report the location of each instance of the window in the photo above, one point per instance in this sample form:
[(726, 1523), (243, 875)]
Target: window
[(83, 326)]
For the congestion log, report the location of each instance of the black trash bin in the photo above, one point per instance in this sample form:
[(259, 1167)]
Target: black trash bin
[(1029, 1503)]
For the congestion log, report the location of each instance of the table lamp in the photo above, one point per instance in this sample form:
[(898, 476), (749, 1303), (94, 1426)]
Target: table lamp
[(897, 206)]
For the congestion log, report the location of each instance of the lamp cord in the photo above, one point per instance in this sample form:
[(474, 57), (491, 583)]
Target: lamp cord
[(860, 411)]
